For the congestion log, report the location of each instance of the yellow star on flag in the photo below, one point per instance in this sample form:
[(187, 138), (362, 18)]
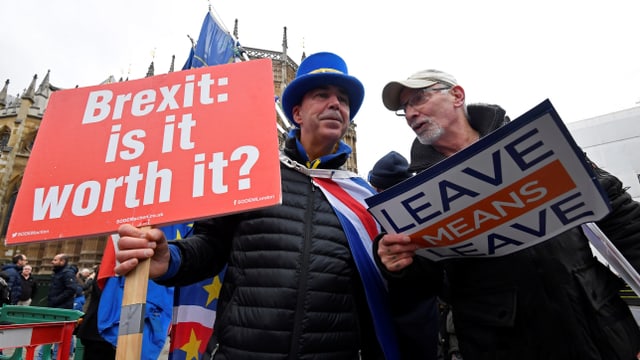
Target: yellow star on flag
[(191, 348), (178, 235), (213, 289)]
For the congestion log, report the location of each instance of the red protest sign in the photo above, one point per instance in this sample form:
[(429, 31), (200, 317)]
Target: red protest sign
[(165, 149)]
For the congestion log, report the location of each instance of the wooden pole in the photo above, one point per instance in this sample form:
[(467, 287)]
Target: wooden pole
[(132, 312)]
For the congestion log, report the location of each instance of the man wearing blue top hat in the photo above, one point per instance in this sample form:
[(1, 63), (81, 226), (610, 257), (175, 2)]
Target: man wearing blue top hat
[(294, 287)]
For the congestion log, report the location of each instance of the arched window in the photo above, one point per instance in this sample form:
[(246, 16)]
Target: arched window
[(5, 135), (27, 143)]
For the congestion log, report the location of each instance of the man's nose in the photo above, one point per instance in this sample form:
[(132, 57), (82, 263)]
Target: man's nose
[(334, 101), (410, 112)]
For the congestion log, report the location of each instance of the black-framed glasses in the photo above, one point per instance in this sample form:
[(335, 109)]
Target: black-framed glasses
[(420, 97)]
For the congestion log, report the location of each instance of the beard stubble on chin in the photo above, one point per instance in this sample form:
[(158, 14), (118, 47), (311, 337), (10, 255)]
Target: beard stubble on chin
[(432, 133)]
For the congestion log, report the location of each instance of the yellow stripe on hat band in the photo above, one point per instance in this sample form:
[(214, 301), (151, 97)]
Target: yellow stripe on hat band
[(325, 70)]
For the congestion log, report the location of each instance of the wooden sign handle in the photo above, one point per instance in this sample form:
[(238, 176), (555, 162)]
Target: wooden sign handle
[(132, 312)]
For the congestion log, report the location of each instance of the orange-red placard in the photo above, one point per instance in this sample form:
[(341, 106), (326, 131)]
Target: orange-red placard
[(165, 149)]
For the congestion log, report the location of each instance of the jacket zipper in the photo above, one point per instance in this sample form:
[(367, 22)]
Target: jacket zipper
[(304, 270)]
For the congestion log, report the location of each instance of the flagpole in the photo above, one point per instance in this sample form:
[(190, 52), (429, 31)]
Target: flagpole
[(613, 256), (134, 300)]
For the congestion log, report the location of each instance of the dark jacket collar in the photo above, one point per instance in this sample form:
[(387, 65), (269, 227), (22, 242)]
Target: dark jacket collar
[(484, 118)]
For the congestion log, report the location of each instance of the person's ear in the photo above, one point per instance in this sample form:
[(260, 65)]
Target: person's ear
[(458, 93), (297, 117)]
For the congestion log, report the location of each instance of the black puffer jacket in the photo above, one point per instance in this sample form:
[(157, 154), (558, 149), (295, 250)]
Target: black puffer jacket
[(12, 272), (63, 288), (550, 301), (291, 290)]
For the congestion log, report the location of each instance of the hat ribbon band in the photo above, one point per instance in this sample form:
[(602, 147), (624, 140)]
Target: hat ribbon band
[(325, 70)]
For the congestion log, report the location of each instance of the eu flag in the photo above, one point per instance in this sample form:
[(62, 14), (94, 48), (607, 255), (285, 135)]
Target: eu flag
[(194, 313), (194, 309), (215, 46)]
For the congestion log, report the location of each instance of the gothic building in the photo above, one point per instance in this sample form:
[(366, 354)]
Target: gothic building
[(20, 118)]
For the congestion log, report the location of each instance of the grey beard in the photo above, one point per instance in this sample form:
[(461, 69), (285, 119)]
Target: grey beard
[(431, 136)]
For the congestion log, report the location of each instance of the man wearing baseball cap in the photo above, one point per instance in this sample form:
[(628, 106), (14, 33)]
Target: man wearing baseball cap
[(554, 300), (292, 288)]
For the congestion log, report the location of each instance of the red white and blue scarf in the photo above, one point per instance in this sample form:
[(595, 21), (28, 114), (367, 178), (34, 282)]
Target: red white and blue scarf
[(346, 192)]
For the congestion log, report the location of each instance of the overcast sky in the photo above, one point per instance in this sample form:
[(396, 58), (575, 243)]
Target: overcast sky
[(583, 56)]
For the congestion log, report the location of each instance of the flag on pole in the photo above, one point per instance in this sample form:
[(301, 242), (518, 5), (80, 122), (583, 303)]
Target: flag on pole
[(194, 310), (215, 45)]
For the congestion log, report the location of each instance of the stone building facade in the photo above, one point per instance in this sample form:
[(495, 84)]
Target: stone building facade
[(20, 118)]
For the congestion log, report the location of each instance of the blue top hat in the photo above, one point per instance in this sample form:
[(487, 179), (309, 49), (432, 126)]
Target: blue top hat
[(321, 69)]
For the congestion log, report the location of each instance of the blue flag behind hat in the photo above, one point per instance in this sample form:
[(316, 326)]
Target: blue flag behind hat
[(321, 69), (215, 45)]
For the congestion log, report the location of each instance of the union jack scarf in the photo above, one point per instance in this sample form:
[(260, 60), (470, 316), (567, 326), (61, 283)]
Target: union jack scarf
[(346, 192)]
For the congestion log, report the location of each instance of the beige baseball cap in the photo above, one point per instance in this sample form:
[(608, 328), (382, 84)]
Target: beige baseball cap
[(419, 80)]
